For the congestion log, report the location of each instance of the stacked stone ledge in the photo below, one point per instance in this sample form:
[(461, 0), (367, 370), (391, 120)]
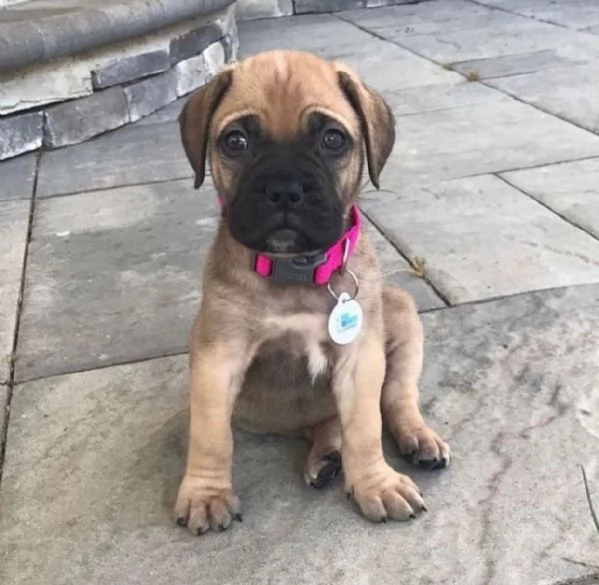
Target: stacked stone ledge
[(122, 90)]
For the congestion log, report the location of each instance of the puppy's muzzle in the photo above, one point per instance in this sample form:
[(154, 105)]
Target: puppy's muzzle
[(286, 205)]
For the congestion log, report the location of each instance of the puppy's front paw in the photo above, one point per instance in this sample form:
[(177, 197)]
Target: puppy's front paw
[(201, 507), (422, 446), (388, 494)]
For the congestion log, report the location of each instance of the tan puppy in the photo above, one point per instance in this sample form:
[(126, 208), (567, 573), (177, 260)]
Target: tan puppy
[(272, 348)]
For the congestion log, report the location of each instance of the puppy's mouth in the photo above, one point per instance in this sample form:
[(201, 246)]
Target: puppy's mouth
[(286, 241), (285, 234)]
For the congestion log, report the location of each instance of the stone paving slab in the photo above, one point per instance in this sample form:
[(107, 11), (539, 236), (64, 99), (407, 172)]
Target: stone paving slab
[(367, 54), (566, 92), (14, 223), (467, 129), (577, 14), (571, 189), (94, 460), (131, 155), (114, 276), (17, 177), (447, 31), (482, 238)]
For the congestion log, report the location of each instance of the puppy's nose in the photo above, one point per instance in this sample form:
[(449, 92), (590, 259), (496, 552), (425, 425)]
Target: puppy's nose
[(284, 194)]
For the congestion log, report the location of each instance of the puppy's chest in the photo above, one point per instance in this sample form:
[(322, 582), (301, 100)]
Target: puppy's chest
[(302, 336)]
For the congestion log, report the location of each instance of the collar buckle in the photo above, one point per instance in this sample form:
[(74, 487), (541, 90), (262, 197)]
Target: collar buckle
[(298, 269)]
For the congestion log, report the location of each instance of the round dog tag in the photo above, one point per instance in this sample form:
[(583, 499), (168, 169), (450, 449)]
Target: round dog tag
[(345, 320)]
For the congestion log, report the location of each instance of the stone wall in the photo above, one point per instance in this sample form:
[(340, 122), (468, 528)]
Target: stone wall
[(66, 101)]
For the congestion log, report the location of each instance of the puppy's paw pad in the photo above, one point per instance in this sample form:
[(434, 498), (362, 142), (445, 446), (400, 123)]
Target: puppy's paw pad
[(322, 473), (201, 508), (423, 447)]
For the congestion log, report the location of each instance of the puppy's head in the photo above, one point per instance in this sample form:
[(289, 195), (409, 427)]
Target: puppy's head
[(287, 134)]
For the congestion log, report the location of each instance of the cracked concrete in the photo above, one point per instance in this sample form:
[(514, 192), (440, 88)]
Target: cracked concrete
[(491, 188)]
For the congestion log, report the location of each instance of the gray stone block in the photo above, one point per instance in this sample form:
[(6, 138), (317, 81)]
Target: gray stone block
[(17, 176), (570, 189), (481, 238), (147, 96), (369, 56), (78, 120), (168, 114), (191, 74), (195, 41), (231, 48), (254, 9), (577, 14), (94, 460), (214, 58), (316, 6), (563, 91), (465, 129), (131, 68), (513, 64), (131, 155), (20, 133), (129, 263)]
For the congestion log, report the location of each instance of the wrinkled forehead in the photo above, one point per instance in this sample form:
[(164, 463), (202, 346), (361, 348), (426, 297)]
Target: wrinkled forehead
[(283, 92)]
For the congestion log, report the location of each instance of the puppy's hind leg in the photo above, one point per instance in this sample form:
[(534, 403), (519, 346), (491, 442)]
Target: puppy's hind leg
[(324, 460), (399, 402)]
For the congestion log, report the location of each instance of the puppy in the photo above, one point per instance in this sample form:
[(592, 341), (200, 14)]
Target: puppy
[(296, 333)]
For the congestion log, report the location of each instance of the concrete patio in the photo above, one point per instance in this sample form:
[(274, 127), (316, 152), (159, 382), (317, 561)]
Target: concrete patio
[(493, 184)]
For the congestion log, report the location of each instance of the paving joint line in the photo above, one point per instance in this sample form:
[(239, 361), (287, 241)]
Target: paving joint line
[(481, 81), (580, 580), (569, 221), (99, 189), (408, 260), (507, 297), (175, 354), (104, 366), (506, 11), (526, 168), (538, 107), (13, 355)]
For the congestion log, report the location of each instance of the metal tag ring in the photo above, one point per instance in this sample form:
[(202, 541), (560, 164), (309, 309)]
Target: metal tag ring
[(357, 286)]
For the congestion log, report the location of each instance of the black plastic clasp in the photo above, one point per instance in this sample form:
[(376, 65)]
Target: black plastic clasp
[(298, 269)]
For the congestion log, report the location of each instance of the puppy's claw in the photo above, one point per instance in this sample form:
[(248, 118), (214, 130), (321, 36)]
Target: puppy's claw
[(423, 447), (238, 517), (324, 471)]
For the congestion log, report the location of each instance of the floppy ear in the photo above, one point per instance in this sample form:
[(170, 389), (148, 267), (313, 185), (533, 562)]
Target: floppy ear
[(376, 119), (195, 119)]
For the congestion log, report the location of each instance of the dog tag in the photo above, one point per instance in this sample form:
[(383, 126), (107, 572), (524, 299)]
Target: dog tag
[(345, 320)]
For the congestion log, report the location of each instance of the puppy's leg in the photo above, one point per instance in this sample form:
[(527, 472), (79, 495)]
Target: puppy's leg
[(206, 499), (401, 413), (378, 489), (324, 459)]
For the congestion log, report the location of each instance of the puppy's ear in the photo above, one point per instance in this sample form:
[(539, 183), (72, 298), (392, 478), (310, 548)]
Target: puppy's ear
[(195, 119), (376, 119)]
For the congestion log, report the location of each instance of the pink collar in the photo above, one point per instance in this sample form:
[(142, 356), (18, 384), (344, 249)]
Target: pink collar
[(316, 269)]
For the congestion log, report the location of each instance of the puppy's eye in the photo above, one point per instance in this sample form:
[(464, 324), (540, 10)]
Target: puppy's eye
[(334, 140), (235, 142)]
